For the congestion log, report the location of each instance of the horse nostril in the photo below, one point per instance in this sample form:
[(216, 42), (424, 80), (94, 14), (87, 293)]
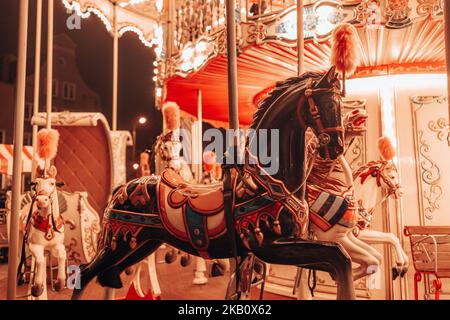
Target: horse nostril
[(338, 149)]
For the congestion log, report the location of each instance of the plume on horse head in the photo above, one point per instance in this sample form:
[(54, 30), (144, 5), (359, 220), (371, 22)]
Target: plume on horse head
[(344, 50), (47, 147), (385, 148), (47, 143), (171, 115)]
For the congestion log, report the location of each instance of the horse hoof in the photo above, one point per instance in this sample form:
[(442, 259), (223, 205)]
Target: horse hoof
[(37, 290), (217, 270), (170, 257), (395, 273), (129, 271), (404, 270), (185, 260), (59, 285)]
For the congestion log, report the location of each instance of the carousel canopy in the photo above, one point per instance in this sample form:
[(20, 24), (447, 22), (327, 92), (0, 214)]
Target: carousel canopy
[(6, 159), (412, 44), (394, 37)]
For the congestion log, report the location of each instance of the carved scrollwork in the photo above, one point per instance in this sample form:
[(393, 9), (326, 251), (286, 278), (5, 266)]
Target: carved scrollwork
[(256, 33), (433, 8), (430, 175), (397, 13), (441, 127)]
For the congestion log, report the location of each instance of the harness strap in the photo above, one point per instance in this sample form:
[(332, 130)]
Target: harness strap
[(20, 273), (229, 218)]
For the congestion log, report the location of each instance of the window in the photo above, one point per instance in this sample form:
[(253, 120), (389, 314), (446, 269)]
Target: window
[(2, 136), (28, 111), (55, 89), (69, 91), (27, 138)]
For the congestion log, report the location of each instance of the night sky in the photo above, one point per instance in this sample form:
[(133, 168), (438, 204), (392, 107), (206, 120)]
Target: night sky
[(94, 59)]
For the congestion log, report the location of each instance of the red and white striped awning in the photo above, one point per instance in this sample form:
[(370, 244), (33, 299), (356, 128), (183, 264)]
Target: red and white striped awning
[(6, 158)]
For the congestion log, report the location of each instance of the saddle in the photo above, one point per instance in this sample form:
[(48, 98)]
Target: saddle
[(191, 212), (203, 199)]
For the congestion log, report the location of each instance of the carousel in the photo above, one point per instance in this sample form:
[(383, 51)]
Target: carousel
[(322, 174)]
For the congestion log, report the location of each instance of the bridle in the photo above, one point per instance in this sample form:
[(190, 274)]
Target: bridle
[(323, 134), (376, 170)]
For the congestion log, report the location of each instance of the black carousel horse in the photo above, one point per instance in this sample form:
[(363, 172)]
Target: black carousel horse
[(268, 216)]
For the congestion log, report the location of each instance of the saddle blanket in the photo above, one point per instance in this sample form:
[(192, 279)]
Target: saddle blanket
[(327, 210)]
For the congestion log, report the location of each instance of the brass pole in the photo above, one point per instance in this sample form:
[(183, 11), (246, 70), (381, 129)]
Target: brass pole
[(18, 144)]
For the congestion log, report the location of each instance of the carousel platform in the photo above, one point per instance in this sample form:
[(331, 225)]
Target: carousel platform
[(181, 289)]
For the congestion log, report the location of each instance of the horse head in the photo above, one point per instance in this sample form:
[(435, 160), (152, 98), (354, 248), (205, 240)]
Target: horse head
[(355, 123), (320, 109), (44, 187), (389, 179), (169, 148)]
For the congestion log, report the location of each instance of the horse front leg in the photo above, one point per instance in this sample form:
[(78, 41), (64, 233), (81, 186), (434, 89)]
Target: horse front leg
[(377, 237), (59, 252), (200, 270), (325, 256), (37, 251)]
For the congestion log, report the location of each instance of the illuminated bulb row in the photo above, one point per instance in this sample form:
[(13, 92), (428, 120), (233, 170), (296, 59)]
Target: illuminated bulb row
[(124, 4), (77, 8), (139, 32)]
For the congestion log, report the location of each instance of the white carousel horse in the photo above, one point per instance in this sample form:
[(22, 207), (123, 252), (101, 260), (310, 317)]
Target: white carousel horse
[(45, 232), (333, 210), (168, 149), (367, 179)]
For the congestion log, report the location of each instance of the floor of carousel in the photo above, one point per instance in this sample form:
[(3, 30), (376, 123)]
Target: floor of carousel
[(182, 288)]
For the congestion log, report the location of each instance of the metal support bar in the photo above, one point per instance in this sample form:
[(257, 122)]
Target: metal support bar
[(37, 77), (300, 39), (115, 70), (49, 97), (18, 144)]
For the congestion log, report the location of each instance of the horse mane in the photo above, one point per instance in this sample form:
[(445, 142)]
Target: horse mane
[(280, 88)]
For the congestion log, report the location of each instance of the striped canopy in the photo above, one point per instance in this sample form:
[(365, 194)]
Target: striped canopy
[(6, 158)]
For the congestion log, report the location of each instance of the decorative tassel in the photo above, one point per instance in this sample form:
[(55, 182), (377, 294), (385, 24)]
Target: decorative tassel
[(133, 242), (277, 227), (245, 240), (259, 236), (113, 243)]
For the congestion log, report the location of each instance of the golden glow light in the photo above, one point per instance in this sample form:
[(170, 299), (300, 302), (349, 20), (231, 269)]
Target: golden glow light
[(142, 120)]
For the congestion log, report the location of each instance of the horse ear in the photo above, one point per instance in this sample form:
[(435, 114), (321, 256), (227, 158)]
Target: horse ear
[(328, 78), (52, 171)]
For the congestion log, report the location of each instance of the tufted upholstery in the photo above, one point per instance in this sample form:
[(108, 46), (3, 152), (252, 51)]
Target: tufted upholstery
[(84, 162)]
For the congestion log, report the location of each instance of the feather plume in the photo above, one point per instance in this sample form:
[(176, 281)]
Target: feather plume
[(385, 148), (171, 115), (143, 158), (344, 49), (47, 143)]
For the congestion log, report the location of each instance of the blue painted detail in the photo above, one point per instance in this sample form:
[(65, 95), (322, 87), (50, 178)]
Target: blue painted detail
[(196, 229), (151, 221), (253, 205)]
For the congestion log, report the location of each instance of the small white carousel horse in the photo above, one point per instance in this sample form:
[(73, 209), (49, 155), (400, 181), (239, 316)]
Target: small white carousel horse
[(368, 178), (166, 151), (44, 230)]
